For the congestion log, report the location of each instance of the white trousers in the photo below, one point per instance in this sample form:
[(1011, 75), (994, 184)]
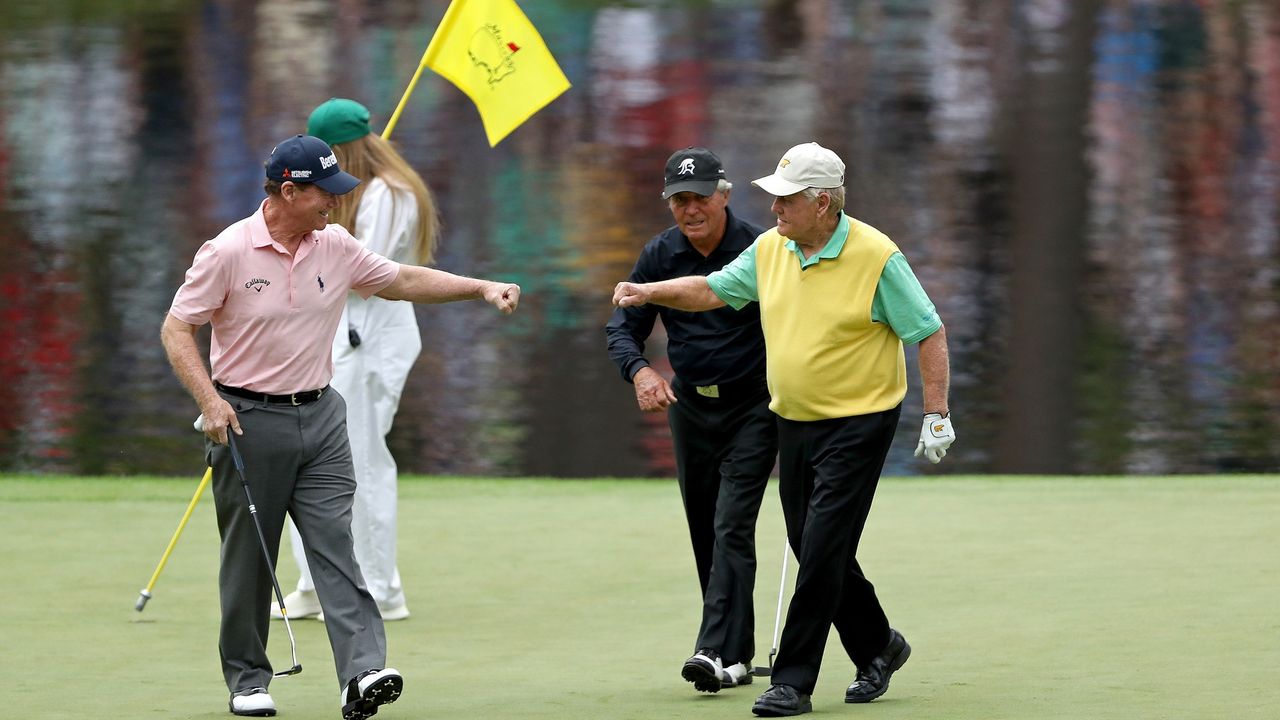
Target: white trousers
[(371, 378)]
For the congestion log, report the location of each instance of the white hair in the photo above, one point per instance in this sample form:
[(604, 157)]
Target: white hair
[(836, 193)]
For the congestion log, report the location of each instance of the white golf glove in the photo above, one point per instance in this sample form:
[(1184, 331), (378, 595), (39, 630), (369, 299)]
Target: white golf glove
[(935, 437)]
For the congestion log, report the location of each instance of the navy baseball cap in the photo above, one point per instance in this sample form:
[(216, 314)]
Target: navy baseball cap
[(307, 159), (695, 170)]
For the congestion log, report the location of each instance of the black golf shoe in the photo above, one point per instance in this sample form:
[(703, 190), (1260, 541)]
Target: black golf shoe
[(873, 680), (369, 690), (781, 701), (704, 671)]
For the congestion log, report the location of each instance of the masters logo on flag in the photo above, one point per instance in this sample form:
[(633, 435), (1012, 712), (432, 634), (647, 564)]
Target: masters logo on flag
[(490, 50)]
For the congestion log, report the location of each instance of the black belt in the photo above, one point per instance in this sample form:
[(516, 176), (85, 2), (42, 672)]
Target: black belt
[(298, 398)]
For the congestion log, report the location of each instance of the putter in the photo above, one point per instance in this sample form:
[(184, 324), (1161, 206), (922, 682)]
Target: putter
[(767, 670), (266, 554)]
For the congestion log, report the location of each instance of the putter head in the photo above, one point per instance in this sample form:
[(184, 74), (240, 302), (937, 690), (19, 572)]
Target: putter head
[(762, 671), (291, 671)]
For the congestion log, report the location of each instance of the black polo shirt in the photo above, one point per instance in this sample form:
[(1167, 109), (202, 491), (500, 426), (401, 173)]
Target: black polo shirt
[(705, 348)]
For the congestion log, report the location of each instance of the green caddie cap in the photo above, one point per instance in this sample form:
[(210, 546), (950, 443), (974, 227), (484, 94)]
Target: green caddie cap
[(339, 120)]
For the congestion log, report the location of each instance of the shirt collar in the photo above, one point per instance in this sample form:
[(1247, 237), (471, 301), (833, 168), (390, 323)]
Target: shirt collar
[(830, 251), (258, 233), (260, 236)]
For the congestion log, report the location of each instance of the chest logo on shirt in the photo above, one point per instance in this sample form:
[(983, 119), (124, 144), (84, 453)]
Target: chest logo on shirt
[(257, 284), (321, 282)]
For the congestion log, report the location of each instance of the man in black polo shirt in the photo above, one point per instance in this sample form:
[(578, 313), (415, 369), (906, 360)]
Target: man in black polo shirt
[(717, 405)]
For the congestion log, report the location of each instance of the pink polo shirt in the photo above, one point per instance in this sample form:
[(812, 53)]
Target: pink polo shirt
[(274, 314)]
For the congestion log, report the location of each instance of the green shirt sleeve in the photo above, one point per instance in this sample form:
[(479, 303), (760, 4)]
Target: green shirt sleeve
[(735, 283), (902, 304)]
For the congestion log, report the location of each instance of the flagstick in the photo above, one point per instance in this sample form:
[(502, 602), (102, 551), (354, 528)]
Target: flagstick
[(395, 116), (446, 23)]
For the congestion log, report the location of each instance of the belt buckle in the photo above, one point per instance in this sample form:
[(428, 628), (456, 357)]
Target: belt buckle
[(294, 397), (711, 391)]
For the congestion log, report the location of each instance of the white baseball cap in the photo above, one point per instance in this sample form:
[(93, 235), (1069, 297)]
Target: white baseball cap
[(804, 166)]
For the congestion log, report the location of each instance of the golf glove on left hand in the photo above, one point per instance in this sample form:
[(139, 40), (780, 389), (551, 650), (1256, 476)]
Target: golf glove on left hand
[(935, 437)]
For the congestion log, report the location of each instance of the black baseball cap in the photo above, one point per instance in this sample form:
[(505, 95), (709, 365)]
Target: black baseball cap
[(695, 170), (307, 159)]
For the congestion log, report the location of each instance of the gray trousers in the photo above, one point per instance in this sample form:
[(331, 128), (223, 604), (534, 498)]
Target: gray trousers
[(297, 459)]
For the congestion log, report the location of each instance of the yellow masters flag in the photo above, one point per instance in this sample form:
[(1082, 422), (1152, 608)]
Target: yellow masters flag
[(490, 50)]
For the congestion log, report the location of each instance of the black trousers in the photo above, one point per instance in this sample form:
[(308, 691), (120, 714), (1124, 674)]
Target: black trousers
[(828, 472), (725, 448)]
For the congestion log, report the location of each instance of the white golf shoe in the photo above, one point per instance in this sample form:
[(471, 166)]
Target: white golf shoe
[(399, 612), (363, 695), (254, 703), (300, 604), (390, 614), (735, 675)]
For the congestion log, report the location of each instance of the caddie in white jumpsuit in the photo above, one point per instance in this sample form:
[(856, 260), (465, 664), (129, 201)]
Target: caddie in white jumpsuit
[(375, 347)]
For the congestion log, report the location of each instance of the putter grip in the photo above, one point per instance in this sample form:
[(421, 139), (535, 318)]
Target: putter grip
[(235, 454)]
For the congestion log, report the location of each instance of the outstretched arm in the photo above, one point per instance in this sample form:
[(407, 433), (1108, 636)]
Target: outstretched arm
[(428, 285), (691, 293)]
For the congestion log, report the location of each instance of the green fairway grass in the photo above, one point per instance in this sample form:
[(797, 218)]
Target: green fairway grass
[(1023, 598)]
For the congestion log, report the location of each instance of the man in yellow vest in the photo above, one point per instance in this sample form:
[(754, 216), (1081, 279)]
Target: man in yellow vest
[(837, 302)]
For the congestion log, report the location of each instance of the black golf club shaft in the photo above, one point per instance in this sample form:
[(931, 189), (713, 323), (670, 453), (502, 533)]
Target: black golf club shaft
[(238, 461)]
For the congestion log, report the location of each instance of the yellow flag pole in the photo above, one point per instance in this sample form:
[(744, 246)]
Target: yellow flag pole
[(145, 595), (445, 23), (395, 117)]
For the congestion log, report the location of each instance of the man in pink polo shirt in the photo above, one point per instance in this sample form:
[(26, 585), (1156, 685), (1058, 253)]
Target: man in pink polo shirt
[(273, 287)]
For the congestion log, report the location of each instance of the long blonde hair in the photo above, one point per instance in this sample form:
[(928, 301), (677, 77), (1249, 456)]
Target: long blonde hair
[(371, 156)]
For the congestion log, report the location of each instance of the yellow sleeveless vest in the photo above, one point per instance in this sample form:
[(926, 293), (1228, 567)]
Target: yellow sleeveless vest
[(826, 359)]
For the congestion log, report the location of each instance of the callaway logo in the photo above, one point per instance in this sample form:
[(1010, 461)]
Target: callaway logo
[(327, 162), (258, 283), (491, 54), (296, 173), (686, 167)]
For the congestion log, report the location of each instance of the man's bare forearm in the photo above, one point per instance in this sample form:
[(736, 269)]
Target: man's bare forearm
[(179, 340), (691, 294), (428, 285), (935, 372)]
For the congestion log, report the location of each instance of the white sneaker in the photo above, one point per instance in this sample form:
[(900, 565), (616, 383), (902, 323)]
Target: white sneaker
[(362, 696), (399, 612), (735, 675), (255, 702), (300, 604)]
